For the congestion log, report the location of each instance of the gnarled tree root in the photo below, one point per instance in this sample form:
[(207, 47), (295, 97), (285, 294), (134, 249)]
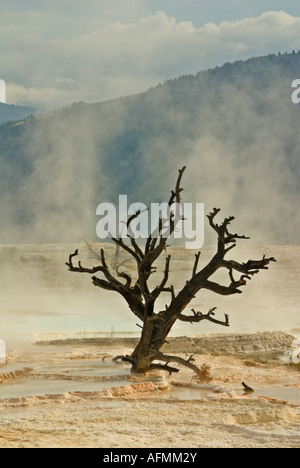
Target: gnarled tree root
[(165, 358)]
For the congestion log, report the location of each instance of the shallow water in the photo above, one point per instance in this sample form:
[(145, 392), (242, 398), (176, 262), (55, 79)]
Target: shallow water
[(39, 387), (93, 375), (291, 394), (59, 377)]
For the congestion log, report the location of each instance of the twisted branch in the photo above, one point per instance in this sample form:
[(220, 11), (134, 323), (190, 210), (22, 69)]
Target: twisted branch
[(199, 316)]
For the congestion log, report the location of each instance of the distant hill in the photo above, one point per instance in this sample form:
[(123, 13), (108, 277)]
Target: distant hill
[(235, 127), (10, 112)]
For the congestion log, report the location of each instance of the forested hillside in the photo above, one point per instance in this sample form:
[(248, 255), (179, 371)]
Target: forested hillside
[(235, 127)]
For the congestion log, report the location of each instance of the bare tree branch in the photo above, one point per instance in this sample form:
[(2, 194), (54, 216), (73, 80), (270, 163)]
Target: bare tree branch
[(197, 257), (152, 251), (141, 298), (124, 246), (156, 292), (199, 316), (184, 362)]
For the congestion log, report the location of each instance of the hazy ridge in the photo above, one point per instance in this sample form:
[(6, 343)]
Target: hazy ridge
[(235, 127)]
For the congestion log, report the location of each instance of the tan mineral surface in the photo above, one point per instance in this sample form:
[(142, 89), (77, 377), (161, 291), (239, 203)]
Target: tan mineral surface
[(73, 395)]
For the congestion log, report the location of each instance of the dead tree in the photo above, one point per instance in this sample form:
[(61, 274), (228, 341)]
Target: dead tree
[(141, 298)]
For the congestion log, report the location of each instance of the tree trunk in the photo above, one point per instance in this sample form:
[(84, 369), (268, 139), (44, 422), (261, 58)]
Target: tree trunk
[(154, 334), (148, 346)]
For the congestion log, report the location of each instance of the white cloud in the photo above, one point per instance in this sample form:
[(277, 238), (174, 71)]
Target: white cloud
[(119, 59)]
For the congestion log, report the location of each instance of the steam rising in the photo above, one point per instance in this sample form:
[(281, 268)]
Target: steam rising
[(237, 135), (234, 129)]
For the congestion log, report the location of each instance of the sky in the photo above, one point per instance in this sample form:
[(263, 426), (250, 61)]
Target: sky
[(55, 53)]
